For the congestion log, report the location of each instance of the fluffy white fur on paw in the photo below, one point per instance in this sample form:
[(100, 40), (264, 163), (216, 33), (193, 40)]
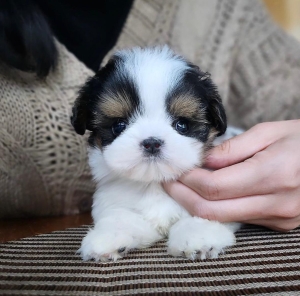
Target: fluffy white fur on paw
[(195, 238), (233, 226), (115, 234), (104, 246)]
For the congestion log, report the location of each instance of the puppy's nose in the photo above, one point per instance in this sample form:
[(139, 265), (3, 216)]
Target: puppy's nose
[(152, 145)]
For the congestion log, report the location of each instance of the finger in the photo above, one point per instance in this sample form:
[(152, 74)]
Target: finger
[(238, 210), (278, 224), (188, 198), (231, 182), (243, 146), (235, 210)]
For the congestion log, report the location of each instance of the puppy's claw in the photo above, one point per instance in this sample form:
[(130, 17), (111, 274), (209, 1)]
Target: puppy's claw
[(122, 250)]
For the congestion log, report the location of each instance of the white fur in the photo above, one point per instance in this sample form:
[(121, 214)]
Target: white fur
[(130, 208), (125, 156), (186, 239), (155, 71)]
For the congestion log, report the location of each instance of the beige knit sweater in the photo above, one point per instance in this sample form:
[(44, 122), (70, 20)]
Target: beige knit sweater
[(43, 163)]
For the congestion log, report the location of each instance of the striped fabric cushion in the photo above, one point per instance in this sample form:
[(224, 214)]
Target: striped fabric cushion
[(262, 262)]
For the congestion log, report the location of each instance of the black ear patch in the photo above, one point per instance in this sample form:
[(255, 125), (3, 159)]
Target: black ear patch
[(207, 91), (85, 106), (215, 109), (82, 109)]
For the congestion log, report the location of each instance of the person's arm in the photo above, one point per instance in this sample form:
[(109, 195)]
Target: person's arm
[(256, 179)]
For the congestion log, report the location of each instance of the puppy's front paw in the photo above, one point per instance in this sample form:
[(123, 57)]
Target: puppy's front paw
[(115, 235), (104, 245), (195, 238)]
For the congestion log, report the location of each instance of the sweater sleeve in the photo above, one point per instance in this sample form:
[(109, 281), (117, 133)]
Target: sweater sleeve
[(264, 78)]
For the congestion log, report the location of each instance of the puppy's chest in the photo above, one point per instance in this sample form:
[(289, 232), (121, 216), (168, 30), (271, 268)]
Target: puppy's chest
[(159, 209)]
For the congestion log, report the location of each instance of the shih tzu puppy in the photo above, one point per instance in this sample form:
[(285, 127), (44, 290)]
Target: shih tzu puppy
[(152, 116)]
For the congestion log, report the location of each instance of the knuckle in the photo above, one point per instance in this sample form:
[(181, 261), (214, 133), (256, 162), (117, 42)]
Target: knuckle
[(258, 127), (288, 212), (279, 176), (264, 125), (289, 182), (211, 190), (287, 176), (289, 185), (225, 147), (262, 128), (287, 226), (293, 225)]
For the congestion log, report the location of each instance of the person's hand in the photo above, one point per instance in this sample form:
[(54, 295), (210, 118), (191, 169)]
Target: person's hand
[(256, 179)]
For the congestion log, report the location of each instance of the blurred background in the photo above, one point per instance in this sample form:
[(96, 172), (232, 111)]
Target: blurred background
[(287, 14)]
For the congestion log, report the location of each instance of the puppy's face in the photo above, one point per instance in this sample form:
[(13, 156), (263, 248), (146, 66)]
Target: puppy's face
[(151, 114)]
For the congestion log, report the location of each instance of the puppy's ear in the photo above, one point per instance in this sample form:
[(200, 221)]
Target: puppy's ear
[(82, 115), (85, 107), (208, 92), (215, 109)]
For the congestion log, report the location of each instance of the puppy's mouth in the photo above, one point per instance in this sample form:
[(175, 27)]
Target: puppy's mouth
[(154, 158), (155, 164), (154, 168)]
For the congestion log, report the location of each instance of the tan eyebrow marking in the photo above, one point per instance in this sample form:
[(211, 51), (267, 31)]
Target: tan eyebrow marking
[(116, 106), (188, 107)]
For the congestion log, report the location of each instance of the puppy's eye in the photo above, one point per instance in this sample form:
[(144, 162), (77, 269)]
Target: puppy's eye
[(182, 126), (118, 127)]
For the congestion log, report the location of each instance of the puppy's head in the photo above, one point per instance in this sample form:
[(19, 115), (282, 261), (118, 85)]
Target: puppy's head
[(151, 114)]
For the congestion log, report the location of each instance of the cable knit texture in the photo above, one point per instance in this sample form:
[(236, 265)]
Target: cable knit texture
[(43, 163)]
